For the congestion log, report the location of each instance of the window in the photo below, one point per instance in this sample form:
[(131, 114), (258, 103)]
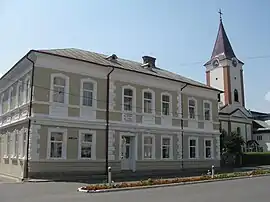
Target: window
[(27, 90), (235, 93), (88, 89), (259, 137), (166, 147), (207, 110), (57, 143), (238, 130), (19, 94), (219, 97), (192, 108), (128, 99), (87, 144), (148, 147), (148, 102), (11, 98), (193, 148), (208, 149), (165, 104), (59, 89)]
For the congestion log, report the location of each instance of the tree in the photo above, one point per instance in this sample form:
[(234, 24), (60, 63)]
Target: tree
[(233, 143), (231, 146)]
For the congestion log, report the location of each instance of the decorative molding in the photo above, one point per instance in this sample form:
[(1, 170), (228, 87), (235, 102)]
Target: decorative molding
[(111, 148), (179, 104), (34, 142), (112, 95), (179, 146), (217, 147)]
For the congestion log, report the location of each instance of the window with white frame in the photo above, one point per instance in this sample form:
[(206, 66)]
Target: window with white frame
[(59, 85), (128, 99), (87, 94), (208, 149), (87, 145), (165, 104), (166, 147), (192, 108), (56, 146), (27, 90), (11, 98), (207, 110), (148, 147), (147, 102), (19, 94), (193, 148)]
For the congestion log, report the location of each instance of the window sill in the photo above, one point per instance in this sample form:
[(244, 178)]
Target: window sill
[(166, 159), (87, 159), (61, 158), (22, 157), (148, 159), (13, 157), (196, 158), (5, 157), (208, 158)]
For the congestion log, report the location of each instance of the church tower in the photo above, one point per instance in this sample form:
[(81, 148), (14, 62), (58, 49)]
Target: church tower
[(224, 71)]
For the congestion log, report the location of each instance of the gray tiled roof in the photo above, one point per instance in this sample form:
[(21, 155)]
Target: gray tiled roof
[(121, 63)]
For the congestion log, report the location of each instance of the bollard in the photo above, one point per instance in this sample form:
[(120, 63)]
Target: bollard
[(213, 171), (110, 176)]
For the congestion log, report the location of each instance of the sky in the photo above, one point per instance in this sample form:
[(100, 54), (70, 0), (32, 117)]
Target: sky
[(179, 33)]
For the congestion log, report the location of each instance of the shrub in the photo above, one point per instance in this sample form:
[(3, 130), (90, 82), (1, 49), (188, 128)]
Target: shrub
[(256, 158)]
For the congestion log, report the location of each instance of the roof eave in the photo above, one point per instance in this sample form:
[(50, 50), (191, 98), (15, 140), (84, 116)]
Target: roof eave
[(117, 67)]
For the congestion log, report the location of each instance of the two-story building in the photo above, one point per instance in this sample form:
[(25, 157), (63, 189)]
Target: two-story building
[(54, 116)]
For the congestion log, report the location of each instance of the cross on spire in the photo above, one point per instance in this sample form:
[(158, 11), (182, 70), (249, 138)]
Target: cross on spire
[(220, 14)]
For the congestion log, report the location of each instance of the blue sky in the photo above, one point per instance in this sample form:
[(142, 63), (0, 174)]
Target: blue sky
[(179, 33)]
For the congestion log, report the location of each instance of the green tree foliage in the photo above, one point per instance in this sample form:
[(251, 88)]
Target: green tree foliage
[(231, 143)]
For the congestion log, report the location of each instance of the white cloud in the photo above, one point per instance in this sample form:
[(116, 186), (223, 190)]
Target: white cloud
[(267, 96)]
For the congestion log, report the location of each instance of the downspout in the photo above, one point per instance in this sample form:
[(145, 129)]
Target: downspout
[(107, 121), (26, 166), (182, 125)]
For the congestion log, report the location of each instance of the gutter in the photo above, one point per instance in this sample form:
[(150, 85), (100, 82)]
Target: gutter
[(182, 125), (107, 122), (26, 166)]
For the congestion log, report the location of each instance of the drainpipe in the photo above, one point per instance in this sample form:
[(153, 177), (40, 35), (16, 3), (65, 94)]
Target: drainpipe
[(26, 166), (107, 121), (182, 124)]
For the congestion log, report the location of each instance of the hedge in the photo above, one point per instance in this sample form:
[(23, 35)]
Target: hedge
[(256, 158)]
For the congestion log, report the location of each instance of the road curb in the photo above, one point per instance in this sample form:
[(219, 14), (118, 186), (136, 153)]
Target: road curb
[(80, 189)]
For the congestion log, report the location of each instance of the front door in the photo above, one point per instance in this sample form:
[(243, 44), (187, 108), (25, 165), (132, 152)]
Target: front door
[(127, 153)]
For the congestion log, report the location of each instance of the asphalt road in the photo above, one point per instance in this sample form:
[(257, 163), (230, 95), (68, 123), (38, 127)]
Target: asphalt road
[(245, 190)]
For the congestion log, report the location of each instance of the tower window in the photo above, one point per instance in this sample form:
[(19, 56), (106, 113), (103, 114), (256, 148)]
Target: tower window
[(236, 98), (238, 130)]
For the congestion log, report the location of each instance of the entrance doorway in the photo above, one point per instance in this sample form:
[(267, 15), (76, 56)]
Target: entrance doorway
[(128, 152)]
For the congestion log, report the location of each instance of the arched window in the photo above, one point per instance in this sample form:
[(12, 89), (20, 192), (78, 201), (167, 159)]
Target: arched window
[(238, 130), (236, 98)]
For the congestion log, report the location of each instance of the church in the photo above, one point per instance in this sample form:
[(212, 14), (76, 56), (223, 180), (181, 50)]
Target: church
[(224, 71)]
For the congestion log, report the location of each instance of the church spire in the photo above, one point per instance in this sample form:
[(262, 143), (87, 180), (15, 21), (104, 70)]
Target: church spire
[(222, 44)]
